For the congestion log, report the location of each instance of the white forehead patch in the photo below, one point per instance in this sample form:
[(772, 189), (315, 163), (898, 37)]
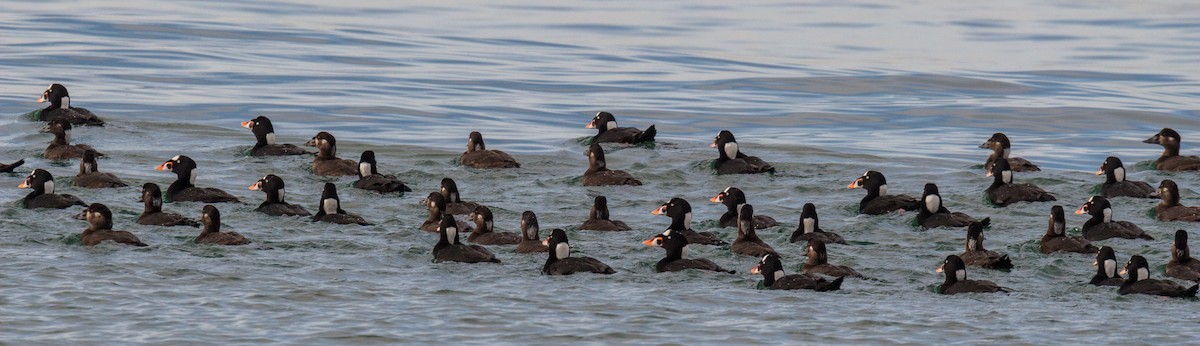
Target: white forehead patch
[(667, 233), (1110, 268), (562, 250), (726, 190)]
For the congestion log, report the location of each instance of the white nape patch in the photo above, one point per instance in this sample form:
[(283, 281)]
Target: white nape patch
[(281, 195), (882, 189), (364, 169), (731, 150), (1107, 215), (687, 220), (1006, 152), (48, 186), (933, 203), (1006, 177), (684, 253), (1110, 268), (66, 102), (1060, 228), (971, 244), (270, 138), (1119, 174), (451, 233), (562, 250), (1142, 274), (809, 225), (192, 178), (610, 125), (329, 205), (176, 158), (778, 274), (488, 225), (961, 274)]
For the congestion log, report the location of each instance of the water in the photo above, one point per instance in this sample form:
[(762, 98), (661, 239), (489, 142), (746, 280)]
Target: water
[(825, 90)]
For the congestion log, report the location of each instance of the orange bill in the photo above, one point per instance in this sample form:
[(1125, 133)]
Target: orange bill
[(651, 241), (590, 125), (1100, 172), (546, 241), (661, 210), (756, 269), (1081, 211), (42, 99), (718, 198), (940, 268), (247, 123), (854, 184), (1124, 271), (162, 167), (989, 173), (257, 185), (24, 184), (712, 145)]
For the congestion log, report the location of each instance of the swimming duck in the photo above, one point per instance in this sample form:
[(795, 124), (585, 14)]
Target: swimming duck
[(599, 220), (977, 255), (454, 203), (60, 108), (485, 234), (329, 209), (60, 147), (1001, 148), (370, 179), (211, 217), (1101, 226), (956, 279), (1138, 281), (877, 201), (1170, 209), (327, 163), (773, 277), (43, 195), (184, 188), (448, 248), (530, 241), (1056, 238), (810, 228), (818, 262), (100, 225), (264, 136), (560, 261), (478, 156), (608, 132), (598, 173), (1106, 269), (733, 198), (1003, 191), (8, 168), (152, 214), (89, 177), (1182, 265), (273, 186), (731, 160), (677, 254), (680, 212), (748, 242), (1115, 184), (436, 204), (934, 214), (1170, 160)]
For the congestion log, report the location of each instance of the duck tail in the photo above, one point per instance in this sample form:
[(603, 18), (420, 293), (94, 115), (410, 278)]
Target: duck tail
[(646, 136)]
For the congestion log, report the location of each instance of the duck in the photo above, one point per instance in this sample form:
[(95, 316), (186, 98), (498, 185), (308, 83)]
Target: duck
[(90, 177), (1170, 160), (680, 212), (560, 261), (1101, 226), (60, 108), (774, 278), (1170, 209), (184, 188), (43, 196), (1001, 148), (60, 147), (730, 160), (273, 186), (8, 167), (1003, 191), (327, 163), (100, 225), (748, 242), (1106, 268), (264, 136), (485, 234), (810, 228), (976, 255), (454, 203), (530, 241), (1138, 281), (436, 204), (818, 262), (370, 179), (152, 213), (598, 173), (608, 132), (329, 209), (933, 213), (676, 258), (1182, 265), (1056, 238), (957, 282), (449, 249), (877, 201), (211, 217), (599, 220), (733, 198), (1115, 184), (478, 156)]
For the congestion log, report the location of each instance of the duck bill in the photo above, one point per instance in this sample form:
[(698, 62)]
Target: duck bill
[(855, 184), (1124, 271), (247, 123), (718, 198), (1100, 172), (661, 210), (1151, 140), (985, 145), (1081, 210), (940, 268), (162, 167), (41, 99), (590, 125), (546, 241), (712, 145), (257, 186), (989, 173), (24, 184), (651, 241), (756, 269)]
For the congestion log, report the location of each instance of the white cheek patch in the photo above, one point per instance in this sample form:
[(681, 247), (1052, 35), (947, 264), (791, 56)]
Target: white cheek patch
[(610, 125), (48, 186), (66, 102), (364, 169), (1110, 268), (1119, 174), (961, 274), (809, 225), (329, 205), (687, 220), (1006, 177), (562, 250), (933, 203), (882, 189), (1142, 274), (731, 150), (1107, 215), (778, 274)]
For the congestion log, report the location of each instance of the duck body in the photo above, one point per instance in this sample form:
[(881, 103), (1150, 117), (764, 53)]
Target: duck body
[(680, 212), (1101, 225), (43, 196), (608, 131), (60, 108), (99, 230), (877, 201), (152, 214), (1170, 160), (676, 245), (730, 159), (1001, 148), (810, 228), (774, 278), (600, 220)]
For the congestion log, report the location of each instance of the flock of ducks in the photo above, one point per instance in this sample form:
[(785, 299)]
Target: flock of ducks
[(817, 274)]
